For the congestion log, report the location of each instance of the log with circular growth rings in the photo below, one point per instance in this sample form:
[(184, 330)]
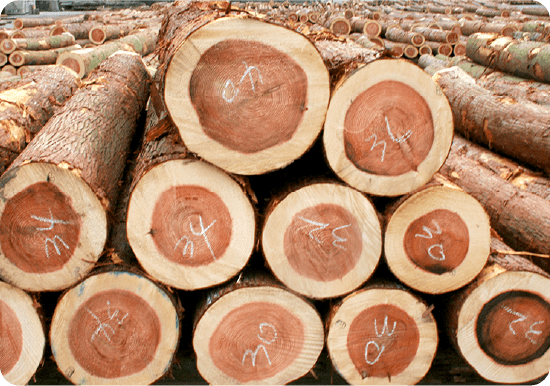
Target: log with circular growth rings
[(382, 335), (389, 128), (499, 322), (22, 337), (246, 95), (55, 196), (257, 335), (190, 224), (437, 240), (323, 240), (114, 328)]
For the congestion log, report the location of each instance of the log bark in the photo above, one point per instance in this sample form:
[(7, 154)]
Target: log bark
[(83, 61), (382, 334), (367, 27), (248, 92), (517, 128), (23, 338), (78, 30), (436, 35), (525, 59), (66, 180), (503, 28), (26, 106), (399, 35), (519, 216), (115, 327), (397, 143), (322, 240), (258, 333), (498, 322), (437, 239), (190, 224), (20, 58), (28, 22), (7, 46)]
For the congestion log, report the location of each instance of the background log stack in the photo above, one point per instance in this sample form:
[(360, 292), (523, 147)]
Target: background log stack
[(315, 213)]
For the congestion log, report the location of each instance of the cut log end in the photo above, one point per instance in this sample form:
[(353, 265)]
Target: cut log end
[(192, 231), (261, 335), (246, 103), (382, 336), (393, 134), (501, 326), (72, 61), (53, 226), (114, 326), (97, 35), (22, 337), (438, 240), (315, 240)]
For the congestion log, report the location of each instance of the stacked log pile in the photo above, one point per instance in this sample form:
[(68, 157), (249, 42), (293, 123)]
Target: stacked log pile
[(282, 190)]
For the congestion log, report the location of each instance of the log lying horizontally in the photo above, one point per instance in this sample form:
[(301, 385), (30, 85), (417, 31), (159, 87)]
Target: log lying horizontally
[(517, 128), (520, 217), (257, 333), (499, 322), (323, 240), (85, 60), (437, 239), (189, 224), (21, 57), (55, 196), (7, 46), (526, 59), (382, 335), (115, 328), (388, 128), (22, 339), (252, 98), (26, 106)]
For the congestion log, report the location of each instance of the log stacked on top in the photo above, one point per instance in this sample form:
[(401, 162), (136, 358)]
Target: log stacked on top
[(240, 98)]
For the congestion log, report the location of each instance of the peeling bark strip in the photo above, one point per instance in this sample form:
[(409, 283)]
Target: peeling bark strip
[(382, 334), (22, 340), (500, 323), (517, 128), (115, 327), (437, 239), (74, 164), (521, 58), (388, 128), (256, 333), (26, 106), (247, 95)]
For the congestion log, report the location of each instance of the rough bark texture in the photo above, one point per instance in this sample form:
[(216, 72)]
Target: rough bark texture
[(119, 91), (520, 217), (398, 35), (26, 106), (520, 129), (7, 46), (521, 58)]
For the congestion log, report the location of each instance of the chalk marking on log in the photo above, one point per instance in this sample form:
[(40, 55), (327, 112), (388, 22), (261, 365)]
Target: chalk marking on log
[(254, 354), (236, 89), (379, 348), (47, 240), (189, 243), (521, 318), (103, 325)]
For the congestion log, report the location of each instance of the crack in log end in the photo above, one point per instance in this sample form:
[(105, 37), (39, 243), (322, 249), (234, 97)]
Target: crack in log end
[(364, 374), (428, 311)]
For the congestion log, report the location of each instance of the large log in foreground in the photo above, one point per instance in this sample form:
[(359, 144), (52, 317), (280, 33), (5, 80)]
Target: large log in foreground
[(388, 128), (499, 322), (254, 333), (382, 335), (22, 338), (517, 128), (26, 106), (322, 240), (246, 95), (55, 196), (437, 240), (115, 328)]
